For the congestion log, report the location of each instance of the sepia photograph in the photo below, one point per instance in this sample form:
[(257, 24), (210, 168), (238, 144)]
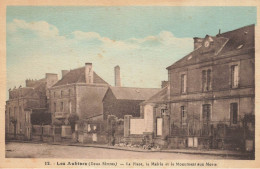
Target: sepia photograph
[(130, 82)]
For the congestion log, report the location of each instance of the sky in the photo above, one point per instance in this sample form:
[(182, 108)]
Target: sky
[(143, 41)]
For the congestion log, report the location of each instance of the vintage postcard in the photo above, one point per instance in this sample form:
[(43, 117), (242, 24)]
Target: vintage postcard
[(129, 85)]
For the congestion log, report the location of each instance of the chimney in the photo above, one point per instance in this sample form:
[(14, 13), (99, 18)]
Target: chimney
[(197, 42), (164, 83), (64, 72), (51, 79), (117, 76), (88, 73)]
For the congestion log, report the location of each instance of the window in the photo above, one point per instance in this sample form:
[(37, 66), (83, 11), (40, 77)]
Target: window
[(54, 106), (20, 127), (61, 106), (206, 114), (89, 128), (233, 113), (206, 80), (234, 76), (54, 94), (183, 83), (15, 112), (61, 93), (183, 115)]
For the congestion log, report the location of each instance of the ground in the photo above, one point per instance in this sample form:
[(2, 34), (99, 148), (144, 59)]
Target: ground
[(31, 150)]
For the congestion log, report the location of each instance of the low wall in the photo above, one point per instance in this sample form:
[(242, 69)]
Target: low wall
[(90, 139), (134, 139)]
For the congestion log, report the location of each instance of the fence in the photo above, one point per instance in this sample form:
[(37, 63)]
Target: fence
[(215, 134)]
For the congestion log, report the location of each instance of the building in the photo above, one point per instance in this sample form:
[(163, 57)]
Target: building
[(212, 92), (116, 101), (151, 122), (121, 101), (209, 101), (80, 91), (22, 101)]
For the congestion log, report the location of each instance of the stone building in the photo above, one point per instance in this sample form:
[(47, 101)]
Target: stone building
[(121, 101), (80, 91), (212, 92), (210, 99), (151, 122), (22, 101)]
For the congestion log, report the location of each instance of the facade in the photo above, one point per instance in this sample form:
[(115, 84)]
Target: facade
[(22, 101), (212, 92), (121, 101), (152, 121), (79, 91), (210, 98)]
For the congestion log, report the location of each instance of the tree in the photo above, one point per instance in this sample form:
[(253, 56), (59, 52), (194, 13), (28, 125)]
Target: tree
[(73, 118), (57, 122)]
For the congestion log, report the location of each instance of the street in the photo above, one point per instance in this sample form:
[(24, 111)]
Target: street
[(32, 150)]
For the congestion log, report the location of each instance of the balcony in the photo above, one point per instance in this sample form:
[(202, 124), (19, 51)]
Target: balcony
[(60, 115)]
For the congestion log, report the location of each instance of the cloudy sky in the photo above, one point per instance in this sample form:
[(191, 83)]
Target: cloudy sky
[(143, 41)]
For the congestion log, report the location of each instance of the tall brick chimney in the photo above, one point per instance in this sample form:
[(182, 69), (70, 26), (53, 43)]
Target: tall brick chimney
[(117, 76), (64, 72), (88, 73)]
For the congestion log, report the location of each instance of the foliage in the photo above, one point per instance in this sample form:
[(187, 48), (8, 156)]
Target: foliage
[(57, 122), (40, 118), (73, 118), (13, 120)]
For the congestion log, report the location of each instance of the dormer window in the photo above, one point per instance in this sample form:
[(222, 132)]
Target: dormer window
[(206, 44), (240, 46)]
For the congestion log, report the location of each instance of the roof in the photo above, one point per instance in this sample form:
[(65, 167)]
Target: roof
[(37, 87), (78, 76), (130, 93), (161, 96), (221, 44)]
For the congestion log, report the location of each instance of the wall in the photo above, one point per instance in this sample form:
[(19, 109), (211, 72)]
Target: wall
[(220, 74), (220, 97), (120, 108), (137, 126), (89, 100), (20, 105), (68, 98)]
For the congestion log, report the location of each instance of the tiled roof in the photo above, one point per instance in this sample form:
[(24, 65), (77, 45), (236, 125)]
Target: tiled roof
[(130, 93), (161, 96), (232, 41), (78, 76)]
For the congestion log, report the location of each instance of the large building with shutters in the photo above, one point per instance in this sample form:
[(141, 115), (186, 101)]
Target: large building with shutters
[(212, 92)]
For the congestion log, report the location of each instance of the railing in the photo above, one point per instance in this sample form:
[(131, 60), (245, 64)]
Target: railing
[(60, 114), (216, 129)]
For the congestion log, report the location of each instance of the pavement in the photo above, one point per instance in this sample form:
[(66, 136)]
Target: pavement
[(134, 149)]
